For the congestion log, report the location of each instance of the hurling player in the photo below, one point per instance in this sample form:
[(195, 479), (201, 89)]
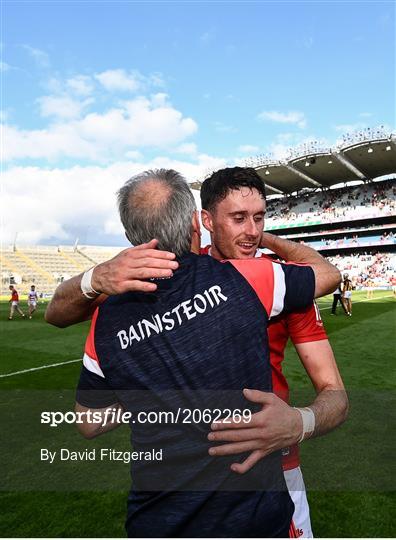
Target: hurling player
[(233, 203)]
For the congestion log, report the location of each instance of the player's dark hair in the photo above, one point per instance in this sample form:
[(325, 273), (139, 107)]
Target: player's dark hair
[(216, 188)]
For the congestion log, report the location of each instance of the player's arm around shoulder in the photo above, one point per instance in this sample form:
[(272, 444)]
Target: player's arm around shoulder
[(327, 276), (76, 299)]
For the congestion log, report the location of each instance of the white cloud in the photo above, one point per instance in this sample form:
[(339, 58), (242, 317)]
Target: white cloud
[(52, 201), (138, 123), (62, 106), (4, 66), (248, 149), (135, 155), (40, 57), (292, 117), (80, 85), (187, 148), (119, 80), (365, 114)]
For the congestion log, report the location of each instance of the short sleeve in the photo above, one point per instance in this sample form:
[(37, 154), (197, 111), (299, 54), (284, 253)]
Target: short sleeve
[(93, 391), (281, 287), (299, 286)]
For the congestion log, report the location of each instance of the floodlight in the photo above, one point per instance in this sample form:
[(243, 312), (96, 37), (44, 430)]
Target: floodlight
[(388, 148), (267, 172), (370, 151)]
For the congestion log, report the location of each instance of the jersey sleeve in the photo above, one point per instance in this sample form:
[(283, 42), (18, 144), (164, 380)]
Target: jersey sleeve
[(306, 325), (93, 389), (281, 287)]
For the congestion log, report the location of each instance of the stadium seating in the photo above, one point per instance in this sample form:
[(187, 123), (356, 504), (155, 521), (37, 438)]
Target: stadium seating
[(352, 241), (47, 266), (336, 205), (378, 267)]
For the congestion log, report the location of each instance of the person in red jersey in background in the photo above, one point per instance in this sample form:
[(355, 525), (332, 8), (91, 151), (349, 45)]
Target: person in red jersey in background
[(233, 203), (14, 301)]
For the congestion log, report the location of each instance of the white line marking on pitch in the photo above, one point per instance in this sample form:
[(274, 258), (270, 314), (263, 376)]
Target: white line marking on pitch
[(80, 359), (40, 367)]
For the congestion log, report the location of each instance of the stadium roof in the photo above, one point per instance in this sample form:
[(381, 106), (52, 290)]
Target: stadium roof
[(364, 160), (365, 155)]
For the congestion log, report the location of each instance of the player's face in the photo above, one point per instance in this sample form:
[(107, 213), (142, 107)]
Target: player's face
[(236, 224)]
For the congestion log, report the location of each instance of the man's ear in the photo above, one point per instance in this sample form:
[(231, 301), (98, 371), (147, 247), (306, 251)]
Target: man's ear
[(196, 226), (207, 220)]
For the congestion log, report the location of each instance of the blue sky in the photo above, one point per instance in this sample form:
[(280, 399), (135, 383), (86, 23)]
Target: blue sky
[(93, 92)]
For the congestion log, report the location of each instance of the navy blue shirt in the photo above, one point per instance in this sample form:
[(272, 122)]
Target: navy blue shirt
[(193, 345)]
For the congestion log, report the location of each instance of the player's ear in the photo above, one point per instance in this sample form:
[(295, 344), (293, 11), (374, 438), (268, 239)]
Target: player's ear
[(207, 220)]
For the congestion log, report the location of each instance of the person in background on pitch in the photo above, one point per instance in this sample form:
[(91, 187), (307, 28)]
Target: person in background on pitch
[(14, 301), (347, 295), (337, 297), (229, 333), (369, 289), (233, 209), (32, 300)]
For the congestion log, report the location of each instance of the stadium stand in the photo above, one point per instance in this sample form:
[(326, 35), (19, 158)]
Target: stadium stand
[(341, 201), (354, 225), (378, 267), (47, 266), (364, 201)]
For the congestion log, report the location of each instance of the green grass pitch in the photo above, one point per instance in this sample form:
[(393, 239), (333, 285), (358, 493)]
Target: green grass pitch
[(350, 473)]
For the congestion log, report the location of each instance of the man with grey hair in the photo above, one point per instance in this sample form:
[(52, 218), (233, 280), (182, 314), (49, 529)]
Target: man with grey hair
[(189, 345)]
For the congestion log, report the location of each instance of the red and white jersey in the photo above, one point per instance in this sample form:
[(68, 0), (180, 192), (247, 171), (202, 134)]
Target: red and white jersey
[(32, 296), (14, 295), (301, 326)]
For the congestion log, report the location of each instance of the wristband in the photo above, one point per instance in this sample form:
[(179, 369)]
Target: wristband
[(308, 420), (86, 284)]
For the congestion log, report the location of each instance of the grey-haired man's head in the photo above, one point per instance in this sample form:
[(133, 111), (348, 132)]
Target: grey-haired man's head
[(158, 204)]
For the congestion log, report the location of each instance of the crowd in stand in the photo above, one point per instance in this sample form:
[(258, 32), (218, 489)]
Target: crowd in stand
[(364, 267), (353, 202), (352, 241)]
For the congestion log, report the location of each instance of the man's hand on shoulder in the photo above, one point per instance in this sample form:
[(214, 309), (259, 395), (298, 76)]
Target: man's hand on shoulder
[(129, 270)]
